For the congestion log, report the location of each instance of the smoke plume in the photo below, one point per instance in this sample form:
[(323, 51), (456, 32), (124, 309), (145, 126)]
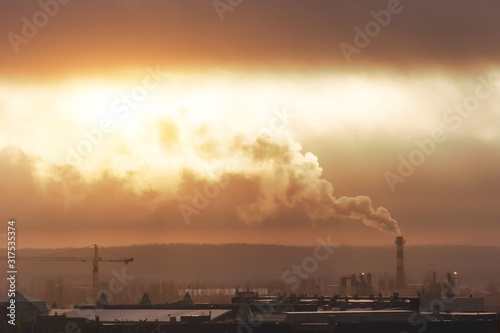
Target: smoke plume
[(289, 178)]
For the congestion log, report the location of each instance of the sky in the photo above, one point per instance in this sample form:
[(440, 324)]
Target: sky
[(198, 121)]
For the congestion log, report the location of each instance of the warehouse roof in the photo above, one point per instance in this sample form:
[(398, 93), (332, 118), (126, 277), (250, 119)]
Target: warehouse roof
[(134, 315)]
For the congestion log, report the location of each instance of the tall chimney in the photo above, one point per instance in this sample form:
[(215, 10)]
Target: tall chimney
[(434, 281), (400, 268)]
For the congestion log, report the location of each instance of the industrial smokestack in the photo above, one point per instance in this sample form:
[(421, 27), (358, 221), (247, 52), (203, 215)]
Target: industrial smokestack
[(400, 268)]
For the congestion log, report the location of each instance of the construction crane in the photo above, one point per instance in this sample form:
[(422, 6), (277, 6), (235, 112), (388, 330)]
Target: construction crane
[(95, 262)]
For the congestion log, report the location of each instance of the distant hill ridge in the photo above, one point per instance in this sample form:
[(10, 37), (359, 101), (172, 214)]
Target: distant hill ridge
[(228, 263)]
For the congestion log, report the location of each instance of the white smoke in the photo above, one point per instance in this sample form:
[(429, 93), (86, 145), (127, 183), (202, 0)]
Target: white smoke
[(289, 178)]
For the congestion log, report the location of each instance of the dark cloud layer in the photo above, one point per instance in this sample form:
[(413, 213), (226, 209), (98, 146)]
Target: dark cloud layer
[(97, 36)]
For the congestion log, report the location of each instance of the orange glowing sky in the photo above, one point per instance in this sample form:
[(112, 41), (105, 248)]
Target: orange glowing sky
[(115, 115)]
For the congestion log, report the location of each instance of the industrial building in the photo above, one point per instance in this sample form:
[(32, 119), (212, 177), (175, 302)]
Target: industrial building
[(277, 313), (365, 310)]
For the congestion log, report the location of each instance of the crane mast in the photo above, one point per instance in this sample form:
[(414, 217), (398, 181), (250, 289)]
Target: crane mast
[(95, 272)]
